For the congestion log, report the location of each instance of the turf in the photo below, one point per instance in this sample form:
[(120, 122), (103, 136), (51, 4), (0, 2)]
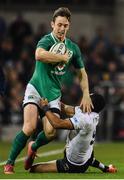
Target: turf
[(108, 153)]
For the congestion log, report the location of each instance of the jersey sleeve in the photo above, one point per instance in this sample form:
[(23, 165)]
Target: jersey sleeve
[(79, 119), (84, 121), (78, 59), (45, 43)]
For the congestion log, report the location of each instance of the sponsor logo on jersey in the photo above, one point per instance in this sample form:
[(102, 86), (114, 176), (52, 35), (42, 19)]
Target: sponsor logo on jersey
[(31, 97), (58, 73), (75, 119)]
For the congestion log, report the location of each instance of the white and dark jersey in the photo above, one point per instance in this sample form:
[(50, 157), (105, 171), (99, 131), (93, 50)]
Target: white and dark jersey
[(79, 144)]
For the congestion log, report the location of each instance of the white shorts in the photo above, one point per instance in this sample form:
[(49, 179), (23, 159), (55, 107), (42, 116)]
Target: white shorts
[(32, 96)]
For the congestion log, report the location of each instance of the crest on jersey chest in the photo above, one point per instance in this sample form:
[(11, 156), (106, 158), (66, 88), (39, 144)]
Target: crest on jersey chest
[(60, 66), (59, 69)]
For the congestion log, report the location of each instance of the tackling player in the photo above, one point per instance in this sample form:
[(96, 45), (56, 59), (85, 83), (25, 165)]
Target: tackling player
[(46, 82), (78, 155)]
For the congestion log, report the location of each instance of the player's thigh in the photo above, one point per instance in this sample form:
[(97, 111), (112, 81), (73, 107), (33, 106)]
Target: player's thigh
[(31, 104), (50, 132), (30, 118)]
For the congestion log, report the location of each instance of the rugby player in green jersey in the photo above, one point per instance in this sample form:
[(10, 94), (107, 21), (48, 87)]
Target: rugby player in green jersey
[(46, 82)]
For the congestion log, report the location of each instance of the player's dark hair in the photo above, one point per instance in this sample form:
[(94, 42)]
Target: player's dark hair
[(98, 102), (62, 11)]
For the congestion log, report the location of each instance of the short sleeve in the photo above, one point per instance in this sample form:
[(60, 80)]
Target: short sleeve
[(84, 121), (45, 43), (78, 120)]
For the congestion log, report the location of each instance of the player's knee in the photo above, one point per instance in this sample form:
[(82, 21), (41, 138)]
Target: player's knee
[(29, 129), (50, 133)]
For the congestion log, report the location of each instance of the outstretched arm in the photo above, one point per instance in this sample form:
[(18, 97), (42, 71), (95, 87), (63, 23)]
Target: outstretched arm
[(107, 169), (67, 109), (58, 123), (86, 103), (55, 121)]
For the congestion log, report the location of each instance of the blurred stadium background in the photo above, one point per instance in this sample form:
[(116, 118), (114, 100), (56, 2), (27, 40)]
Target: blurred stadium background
[(98, 28)]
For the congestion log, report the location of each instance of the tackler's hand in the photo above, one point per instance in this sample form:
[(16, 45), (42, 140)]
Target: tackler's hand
[(43, 102)]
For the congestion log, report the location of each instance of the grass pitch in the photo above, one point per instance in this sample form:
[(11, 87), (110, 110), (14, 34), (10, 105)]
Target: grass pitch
[(108, 153)]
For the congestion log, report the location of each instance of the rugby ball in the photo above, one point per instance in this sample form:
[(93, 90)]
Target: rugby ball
[(58, 48)]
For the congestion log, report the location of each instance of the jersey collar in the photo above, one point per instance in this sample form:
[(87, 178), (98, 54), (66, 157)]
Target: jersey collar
[(56, 40)]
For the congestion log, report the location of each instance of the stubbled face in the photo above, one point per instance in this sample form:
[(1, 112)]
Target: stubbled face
[(60, 27)]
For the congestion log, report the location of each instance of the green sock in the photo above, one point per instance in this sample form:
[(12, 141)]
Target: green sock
[(18, 144), (40, 141)]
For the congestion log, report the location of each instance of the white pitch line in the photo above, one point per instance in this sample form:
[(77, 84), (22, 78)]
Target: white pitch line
[(49, 153)]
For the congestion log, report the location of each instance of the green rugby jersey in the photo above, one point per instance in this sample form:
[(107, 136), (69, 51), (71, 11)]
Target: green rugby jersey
[(47, 77)]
